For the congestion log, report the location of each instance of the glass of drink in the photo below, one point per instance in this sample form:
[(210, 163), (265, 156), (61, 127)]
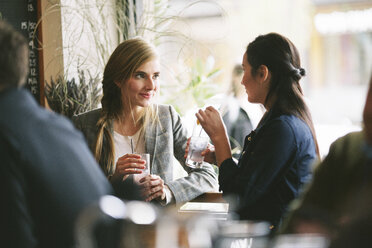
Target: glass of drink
[(146, 171), (198, 143)]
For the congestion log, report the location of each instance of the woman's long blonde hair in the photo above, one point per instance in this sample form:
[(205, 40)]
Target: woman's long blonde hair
[(123, 62)]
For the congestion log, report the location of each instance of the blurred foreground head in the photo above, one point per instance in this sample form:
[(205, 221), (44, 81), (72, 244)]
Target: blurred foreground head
[(13, 57)]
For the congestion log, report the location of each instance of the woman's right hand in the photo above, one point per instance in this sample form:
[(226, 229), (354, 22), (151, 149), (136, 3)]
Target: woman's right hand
[(127, 165)]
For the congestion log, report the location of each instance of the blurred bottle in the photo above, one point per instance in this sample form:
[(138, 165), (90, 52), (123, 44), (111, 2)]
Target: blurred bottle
[(242, 233)]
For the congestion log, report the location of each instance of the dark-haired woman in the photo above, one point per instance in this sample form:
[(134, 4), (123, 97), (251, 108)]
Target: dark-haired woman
[(277, 155), (130, 122)]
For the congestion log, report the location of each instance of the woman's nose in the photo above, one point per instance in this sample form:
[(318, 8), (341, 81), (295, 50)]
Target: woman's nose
[(151, 84)]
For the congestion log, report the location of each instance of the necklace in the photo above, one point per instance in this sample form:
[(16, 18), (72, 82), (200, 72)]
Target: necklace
[(123, 128), (134, 141)]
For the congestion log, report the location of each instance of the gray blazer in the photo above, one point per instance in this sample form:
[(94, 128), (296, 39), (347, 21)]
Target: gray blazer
[(163, 141)]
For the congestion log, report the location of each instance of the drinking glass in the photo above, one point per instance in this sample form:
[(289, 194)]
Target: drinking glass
[(146, 171), (198, 143)]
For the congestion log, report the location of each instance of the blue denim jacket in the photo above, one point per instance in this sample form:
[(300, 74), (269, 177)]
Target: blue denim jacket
[(274, 165)]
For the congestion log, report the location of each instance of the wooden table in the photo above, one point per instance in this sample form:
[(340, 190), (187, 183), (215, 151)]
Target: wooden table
[(215, 197)]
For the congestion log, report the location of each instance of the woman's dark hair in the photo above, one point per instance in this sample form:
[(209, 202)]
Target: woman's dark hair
[(282, 59)]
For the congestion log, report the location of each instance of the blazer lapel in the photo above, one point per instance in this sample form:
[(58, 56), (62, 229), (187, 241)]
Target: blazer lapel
[(151, 134)]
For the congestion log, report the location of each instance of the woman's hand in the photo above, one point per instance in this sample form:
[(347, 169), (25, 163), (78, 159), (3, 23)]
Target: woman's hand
[(209, 153), (212, 123), (152, 187), (127, 165)]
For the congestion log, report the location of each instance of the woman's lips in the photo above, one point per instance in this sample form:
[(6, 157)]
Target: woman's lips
[(146, 95)]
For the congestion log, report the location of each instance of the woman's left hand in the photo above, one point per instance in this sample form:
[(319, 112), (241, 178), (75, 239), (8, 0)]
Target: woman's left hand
[(212, 122), (209, 154), (152, 187)]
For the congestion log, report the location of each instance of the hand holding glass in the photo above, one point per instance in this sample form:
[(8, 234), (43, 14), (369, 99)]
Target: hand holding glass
[(144, 172), (198, 143)]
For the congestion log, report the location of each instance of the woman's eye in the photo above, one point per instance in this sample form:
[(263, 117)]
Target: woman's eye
[(156, 76), (140, 75)]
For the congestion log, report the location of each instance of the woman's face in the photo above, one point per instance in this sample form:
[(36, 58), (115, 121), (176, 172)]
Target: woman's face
[(253, 84), (142, 86)]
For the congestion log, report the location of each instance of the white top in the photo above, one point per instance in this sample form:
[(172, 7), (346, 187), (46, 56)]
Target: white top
[(123, 145)]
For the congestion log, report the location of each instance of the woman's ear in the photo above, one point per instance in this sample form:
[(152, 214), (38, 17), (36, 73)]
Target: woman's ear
[(118, 84), (264, 73)]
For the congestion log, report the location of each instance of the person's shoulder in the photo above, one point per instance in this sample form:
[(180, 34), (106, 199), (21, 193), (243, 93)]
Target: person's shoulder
[(349, 143), (30, 117), (288, 121), (353, 137), (347, 152), (295, 123), (290, 126), (164, 107), (166, 110), (91, 113), (87, 117)]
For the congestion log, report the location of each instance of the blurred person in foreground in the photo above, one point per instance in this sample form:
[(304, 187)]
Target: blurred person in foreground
[(277, 156), (47, 173), (356, 233), (340, 194), (130, 122)]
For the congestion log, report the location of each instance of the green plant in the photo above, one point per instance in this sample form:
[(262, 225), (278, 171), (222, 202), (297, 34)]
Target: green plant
[(68, 97), (200, 86), (105, 23)]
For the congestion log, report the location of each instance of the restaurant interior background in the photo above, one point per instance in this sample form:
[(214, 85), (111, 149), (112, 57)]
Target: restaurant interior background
[(199, 43)]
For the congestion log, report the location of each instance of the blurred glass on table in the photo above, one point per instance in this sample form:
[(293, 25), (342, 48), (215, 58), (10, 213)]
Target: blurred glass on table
[(243, 234), (113, 223)]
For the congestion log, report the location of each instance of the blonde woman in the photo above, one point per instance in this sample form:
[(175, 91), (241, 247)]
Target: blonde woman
[(129, 120)]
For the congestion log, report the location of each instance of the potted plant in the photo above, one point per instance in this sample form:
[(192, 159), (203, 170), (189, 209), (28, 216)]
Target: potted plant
[(71, 97)]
